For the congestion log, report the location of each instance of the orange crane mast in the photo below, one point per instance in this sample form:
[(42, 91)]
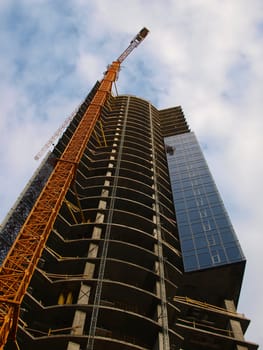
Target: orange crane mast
[(22, 259)]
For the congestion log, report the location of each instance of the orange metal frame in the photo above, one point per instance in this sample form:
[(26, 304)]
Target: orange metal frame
[(22, 259)]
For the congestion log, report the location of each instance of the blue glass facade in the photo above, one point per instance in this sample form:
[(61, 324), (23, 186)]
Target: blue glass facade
[(206, 235)]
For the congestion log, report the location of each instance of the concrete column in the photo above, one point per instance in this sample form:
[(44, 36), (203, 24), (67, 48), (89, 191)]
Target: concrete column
[(96, 234), (235, 325), (102, 204), (79, 316), (157, 267), (89, 270), (73, 346), (159, 342), (78, 322), (99, 218), (84, 294), (106, 183), (158, 289), (93, 250), (104, 193)]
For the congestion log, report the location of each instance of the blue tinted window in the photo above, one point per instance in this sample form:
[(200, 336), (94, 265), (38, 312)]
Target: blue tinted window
[(197, 228), (227, 236), (222, 222), (218, 210), (206, 179), (203, 224), (212, 198), (200, 242), (190, 203), (201, 201), (209, 188), (204, 260), (190, 262), (179, 195), (186, 183), (185, 230), (208, 224), (182, 217), (233, 253), (221, 254), (194, 215), (204, 212), (176, 185), (213, 238), (188, 193), (179, 204), (187, 244)]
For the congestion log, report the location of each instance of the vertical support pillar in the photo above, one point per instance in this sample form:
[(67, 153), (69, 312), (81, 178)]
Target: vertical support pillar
[(119, 135), (235, 325), (73, 346), (84, 293), (159, 344), (79, 316), (164, 341)]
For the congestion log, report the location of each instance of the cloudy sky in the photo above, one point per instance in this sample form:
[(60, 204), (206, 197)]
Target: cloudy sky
[(205, 55)]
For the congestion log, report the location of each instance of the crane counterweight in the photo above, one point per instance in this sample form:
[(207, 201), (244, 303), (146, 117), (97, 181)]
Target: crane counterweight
[(141, 35)]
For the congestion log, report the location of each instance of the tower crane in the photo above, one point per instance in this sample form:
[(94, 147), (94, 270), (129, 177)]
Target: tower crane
[(21, 260)]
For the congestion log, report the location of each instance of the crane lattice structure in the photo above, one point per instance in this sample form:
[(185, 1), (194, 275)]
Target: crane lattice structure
[(22, 259), (58, 132)]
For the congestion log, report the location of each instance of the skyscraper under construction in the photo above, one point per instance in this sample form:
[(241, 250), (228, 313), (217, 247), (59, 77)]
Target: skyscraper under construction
[(138, 251)]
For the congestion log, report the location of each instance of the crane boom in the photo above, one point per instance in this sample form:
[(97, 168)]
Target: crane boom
[(134, 43), (22, 259)]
